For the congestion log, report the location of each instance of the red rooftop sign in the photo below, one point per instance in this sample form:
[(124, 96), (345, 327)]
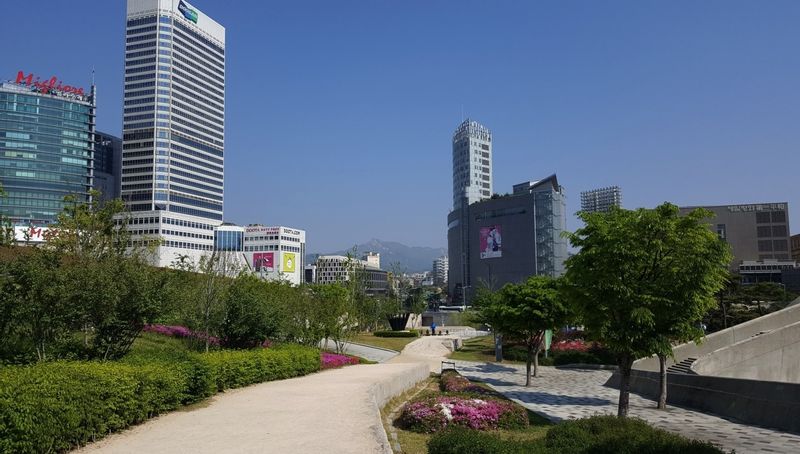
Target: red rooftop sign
[(46, 86)]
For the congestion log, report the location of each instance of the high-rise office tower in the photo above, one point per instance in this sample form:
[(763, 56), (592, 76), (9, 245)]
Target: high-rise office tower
[(601, 200), (472, 163), (173, 127)]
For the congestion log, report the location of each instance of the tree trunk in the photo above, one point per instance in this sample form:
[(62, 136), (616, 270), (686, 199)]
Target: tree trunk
[(528, 361), (536, 361), (662, 396), (724, 315), (498, 347), (625, 363)]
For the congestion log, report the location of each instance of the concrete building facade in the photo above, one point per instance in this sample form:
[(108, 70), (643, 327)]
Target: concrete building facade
[(755, 232), (507, 239), (472, 163), (601, 200), (276, 252), (795, 239), (338, 268), (174, 125)]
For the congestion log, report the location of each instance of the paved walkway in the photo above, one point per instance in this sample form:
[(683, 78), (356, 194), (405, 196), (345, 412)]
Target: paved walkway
[(335, 411), (561, 394)]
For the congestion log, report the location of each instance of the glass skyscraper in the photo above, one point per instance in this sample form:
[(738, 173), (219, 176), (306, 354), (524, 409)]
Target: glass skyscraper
[(174, 125), (46, 147)]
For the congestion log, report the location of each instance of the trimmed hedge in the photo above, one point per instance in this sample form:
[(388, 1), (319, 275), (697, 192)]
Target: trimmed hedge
[(52, 407), (411, 333), (459, 440), (595, 435)]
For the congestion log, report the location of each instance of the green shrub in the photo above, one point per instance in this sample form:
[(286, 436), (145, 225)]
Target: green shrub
[(410, 333), (574, 357), (609, 434), (52, 407), (459, 440)]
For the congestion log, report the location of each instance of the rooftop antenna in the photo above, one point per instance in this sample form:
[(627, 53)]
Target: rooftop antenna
[(92, 74)]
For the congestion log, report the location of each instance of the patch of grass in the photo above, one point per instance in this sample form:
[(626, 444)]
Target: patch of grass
[(479, 349), (392, 343)]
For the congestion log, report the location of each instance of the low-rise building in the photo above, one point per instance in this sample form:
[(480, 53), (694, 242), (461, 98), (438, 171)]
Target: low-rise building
[(276, 252), (338, 268)]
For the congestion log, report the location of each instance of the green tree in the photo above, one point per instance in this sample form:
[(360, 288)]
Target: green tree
[(527, 310), (643, 279), (251, 315), (6, 227), (489, 311)]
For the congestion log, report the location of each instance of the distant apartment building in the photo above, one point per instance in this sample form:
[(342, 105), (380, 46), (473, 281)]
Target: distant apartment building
[(507, 239), (338, 268), (601, 200), (439, 271), (472, 163), (107, 165), (756, 232), (796, 247)]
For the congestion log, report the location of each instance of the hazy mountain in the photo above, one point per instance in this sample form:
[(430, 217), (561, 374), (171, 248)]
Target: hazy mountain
[(411, 259)]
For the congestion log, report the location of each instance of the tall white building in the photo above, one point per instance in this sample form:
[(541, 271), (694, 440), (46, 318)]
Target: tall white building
[(439, 272), (472, 163), (173, 126)]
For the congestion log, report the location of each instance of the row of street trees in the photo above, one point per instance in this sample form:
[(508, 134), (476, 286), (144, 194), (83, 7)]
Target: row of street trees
[(641, 282)]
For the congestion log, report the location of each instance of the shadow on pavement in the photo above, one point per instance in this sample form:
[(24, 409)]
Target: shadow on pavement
[(489, 368), (539, 397)]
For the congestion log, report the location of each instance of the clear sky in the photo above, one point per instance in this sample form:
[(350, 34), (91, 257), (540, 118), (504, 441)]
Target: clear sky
[(340, 113)]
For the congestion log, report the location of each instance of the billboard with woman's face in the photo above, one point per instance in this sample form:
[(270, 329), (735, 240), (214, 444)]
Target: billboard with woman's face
[(491, 243)]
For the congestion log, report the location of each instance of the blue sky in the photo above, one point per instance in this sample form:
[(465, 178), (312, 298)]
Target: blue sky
[(340, 114)]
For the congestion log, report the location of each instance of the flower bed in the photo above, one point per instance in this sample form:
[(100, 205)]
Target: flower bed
[(181, 332), (433, 414), (462, 404), (333, 360), (453, 382)]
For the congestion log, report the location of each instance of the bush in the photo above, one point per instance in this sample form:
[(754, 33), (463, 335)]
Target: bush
[(595, 435), (434, 413), (453, 382), (52, 407), (333, 360), (609, 434), (459, 440), (574, 357), (411, 333)]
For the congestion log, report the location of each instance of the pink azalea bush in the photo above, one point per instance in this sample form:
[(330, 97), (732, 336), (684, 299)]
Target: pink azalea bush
[(571, 345), (181, 332), (332, 360), (433, 414), (453, 382)]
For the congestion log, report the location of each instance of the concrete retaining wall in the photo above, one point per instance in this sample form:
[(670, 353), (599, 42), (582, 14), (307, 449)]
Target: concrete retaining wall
[(764, 403), (384, 390), (773, 356), (726, 337)]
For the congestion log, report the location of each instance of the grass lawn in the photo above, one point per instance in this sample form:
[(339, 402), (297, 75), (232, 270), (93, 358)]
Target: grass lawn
[(480, 349), (392, 343), (417, 443)]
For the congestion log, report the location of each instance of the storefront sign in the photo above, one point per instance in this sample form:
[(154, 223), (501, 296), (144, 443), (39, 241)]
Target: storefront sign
[(757, 207)]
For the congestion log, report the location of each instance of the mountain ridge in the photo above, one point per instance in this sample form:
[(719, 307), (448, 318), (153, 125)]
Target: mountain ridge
[(410, 259)]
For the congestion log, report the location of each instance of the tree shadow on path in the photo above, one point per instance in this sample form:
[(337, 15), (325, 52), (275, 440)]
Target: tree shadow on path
[(538, 397)]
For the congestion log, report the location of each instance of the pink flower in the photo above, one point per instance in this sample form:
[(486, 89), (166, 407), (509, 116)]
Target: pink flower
[(332, 360)]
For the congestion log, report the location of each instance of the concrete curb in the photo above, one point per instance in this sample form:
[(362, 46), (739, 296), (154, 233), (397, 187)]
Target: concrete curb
[(587, 366), (372, 346), (381, 392)]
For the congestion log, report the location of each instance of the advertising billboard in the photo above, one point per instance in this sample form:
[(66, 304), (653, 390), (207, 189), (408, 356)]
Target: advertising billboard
[(490, 242), (264, 260), (289, 262)]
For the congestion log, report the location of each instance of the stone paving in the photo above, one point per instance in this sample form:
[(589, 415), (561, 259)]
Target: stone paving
[(560, 394)]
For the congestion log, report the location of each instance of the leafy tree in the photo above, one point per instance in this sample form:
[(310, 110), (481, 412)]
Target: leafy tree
[(336, 319), (644, 279), (489, 311), (6, 227), (251, 315), (526, 311)]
